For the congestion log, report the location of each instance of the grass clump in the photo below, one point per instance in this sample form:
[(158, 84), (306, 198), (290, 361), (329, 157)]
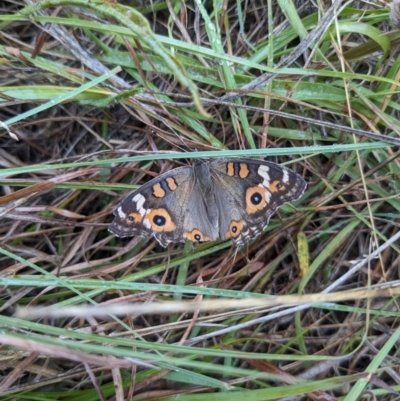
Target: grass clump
[(97, 98)]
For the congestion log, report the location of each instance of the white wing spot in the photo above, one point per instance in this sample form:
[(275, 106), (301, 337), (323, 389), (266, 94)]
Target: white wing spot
[(263, 171), (121, 214), (139, 200), (285, 176)]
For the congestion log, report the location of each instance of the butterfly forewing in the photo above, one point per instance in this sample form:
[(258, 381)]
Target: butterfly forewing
[(153, 210)]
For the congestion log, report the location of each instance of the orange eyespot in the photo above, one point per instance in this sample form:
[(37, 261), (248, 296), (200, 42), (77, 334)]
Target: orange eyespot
[(256, 199), (235, 228), (276, 186), (134, 218), (195, 236), (159, 220)]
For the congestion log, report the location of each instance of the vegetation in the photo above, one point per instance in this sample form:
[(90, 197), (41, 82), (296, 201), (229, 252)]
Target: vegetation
[(97, 97)]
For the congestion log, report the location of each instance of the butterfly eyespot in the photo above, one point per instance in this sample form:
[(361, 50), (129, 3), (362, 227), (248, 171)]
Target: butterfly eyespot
[(235, 229), (133, 218), (159, 220), (276, 186), (195, 235), (256, 198)]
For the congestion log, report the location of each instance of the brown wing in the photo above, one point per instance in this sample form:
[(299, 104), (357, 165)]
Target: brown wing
[(171, 207), (249, 192)]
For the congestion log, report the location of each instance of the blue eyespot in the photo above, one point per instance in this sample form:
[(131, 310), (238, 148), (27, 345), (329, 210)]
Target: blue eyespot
[(159, 220), (256, 198)]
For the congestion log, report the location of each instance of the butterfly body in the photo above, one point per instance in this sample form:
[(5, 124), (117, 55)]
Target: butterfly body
[(227, 198)]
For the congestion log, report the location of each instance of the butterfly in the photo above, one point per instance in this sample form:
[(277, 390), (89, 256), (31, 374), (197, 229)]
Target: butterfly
[(227, 198)]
